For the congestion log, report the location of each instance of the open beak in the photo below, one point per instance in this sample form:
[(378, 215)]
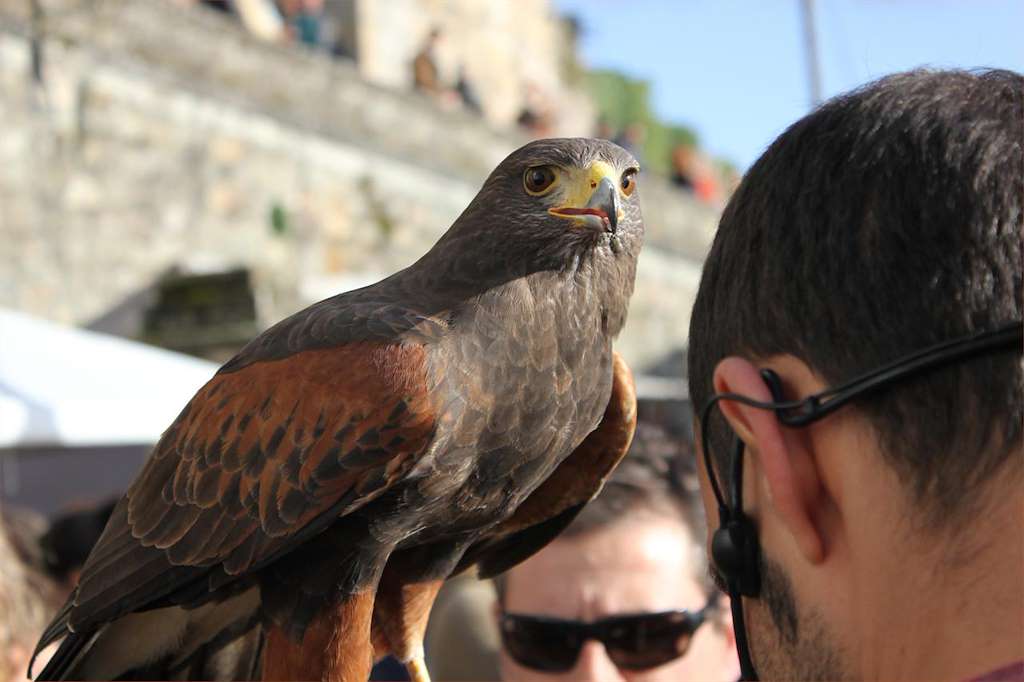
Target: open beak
[(600, 212)]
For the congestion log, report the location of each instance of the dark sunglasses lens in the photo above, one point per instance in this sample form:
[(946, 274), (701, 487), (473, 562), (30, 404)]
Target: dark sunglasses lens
[(539, 644), (643, 642)]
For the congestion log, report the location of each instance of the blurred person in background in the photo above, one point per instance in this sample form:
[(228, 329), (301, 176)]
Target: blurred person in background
[(622, 593), (261, 17), (462, 637), (467, 93), (635, 550), (303, 20), (691, 172), (426, 77), (70, 537), (603, 130), (682, 163), (632, 140), (536, 116), (28, 597)]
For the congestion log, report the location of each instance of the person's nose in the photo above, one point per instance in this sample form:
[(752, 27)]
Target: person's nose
[(594, 664)]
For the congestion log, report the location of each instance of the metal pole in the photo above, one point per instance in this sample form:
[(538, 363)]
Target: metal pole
[(811, 46)]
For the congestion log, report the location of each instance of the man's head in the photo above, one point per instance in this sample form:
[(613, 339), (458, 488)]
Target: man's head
[(884, 222), (636, 549)]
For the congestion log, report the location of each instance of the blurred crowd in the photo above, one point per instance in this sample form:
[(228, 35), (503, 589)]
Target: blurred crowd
[(621, 594), (283, 21), (690, 169), (308, 23), (39, 566), (305, 22)]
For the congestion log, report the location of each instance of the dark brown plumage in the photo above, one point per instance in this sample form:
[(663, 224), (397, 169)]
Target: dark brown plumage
[(321, 486)]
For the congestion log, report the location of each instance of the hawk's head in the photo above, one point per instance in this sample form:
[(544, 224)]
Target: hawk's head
[(553, 204), (587, 185)]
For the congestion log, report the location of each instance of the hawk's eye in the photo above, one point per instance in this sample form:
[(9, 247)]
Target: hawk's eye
[(628, 182), (539, 179)]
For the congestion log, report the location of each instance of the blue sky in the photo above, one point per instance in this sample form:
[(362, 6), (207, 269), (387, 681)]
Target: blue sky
[(735, 70)]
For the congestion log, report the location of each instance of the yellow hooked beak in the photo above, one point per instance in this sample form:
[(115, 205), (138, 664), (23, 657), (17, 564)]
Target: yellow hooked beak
[(592, 198)]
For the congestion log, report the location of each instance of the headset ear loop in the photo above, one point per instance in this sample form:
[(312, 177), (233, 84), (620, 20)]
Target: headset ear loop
[(774, 384), (709, 469), (747, 670)]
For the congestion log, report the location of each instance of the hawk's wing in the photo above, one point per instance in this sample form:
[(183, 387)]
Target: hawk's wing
[(554, 504), (261, 459)]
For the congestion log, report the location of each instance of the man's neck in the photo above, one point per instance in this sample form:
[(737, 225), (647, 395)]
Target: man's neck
[(955, 606)]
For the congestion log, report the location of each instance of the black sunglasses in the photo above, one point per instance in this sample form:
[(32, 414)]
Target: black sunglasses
[(633, 641)]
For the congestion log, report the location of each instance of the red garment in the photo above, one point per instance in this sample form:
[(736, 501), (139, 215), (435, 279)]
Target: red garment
[(1010, 673)]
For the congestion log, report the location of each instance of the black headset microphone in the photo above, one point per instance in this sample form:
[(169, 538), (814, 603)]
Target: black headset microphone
[(735, 549)]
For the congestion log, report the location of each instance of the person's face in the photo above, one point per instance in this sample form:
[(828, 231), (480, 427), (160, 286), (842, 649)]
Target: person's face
[(645, 563)]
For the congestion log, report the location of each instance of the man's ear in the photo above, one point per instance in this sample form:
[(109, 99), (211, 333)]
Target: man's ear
[(785, 463)]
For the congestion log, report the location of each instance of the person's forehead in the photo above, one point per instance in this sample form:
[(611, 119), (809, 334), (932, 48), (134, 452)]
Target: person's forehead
[(643, 564)]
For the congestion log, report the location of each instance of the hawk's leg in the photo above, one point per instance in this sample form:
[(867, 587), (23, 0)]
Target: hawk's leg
[(418, 670), (405, 594), (334, 648), (400, 620)]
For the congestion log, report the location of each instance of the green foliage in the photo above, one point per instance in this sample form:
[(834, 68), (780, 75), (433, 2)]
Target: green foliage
[(728, 168), (378, 208), (619, 98), (278, 219), (622, 100), (661, 140)]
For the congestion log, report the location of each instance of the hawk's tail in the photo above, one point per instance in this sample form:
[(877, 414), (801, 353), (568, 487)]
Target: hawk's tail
[(64, 663), (214, 641)]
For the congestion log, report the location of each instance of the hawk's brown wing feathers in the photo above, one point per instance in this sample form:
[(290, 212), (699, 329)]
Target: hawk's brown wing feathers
[(261, 458), (554, 504)]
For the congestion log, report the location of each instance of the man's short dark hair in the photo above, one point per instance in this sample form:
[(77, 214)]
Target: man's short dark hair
[(658, 476), (886, 221)]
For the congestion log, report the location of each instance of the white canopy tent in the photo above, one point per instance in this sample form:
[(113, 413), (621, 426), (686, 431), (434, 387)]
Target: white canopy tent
[(65, 386), (80, 410)]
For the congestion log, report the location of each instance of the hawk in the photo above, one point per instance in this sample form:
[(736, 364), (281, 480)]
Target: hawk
[(329, 478)]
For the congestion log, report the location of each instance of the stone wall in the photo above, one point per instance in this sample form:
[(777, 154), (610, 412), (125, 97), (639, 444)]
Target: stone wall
[(160, 135)]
